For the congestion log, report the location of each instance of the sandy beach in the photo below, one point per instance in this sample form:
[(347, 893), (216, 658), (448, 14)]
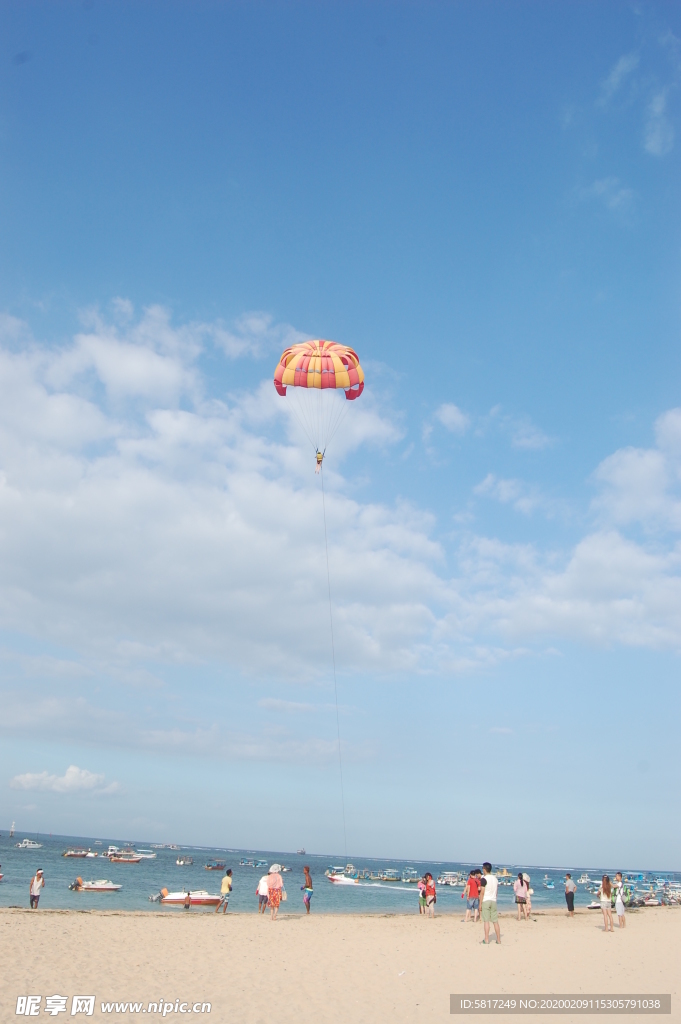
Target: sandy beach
[(328, 967)]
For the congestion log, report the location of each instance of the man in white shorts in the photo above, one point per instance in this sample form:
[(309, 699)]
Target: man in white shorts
[(488, 907), (619, 900)]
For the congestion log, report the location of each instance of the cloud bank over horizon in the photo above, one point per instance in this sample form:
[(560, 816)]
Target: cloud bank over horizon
[(149, 528)]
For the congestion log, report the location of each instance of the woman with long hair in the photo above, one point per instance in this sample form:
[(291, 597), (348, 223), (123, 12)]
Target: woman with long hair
[(520, 888), (605, 894)]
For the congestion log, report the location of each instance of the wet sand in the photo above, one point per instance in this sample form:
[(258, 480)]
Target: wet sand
[(335, 968)]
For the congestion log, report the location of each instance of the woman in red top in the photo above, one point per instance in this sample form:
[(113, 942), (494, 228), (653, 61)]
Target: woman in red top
[(430, 894)]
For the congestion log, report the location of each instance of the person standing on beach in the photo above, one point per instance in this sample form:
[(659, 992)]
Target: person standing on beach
[(430, 894), (520, 888), (275, 885), (422, 896), (307, 888), (570, 890), (35, 888), (530, 890), (619, 900), (605, 896), (262, 892), (472, 896), (225, 890), (488, 908)]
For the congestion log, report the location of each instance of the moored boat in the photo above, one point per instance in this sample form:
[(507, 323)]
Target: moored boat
[(28, 844), (100, 885), (146, 854), (197, 898), (126, 856), (451, 878), (76, 851), (216, 865), (184, 862)]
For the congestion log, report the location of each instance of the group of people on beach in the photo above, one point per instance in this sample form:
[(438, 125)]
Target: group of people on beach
[(270, 891)]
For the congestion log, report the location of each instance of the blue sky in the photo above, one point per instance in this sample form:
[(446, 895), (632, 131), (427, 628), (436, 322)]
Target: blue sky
[(483, 200)]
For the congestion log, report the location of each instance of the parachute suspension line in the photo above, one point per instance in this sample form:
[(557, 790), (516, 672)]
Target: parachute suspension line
[(333, 658)]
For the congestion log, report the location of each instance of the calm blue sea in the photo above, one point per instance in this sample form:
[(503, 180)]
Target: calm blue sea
[(139, 881)]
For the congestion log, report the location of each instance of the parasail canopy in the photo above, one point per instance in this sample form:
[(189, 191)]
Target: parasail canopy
[(319, 377)]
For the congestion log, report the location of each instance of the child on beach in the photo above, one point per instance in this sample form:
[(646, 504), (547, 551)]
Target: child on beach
[(605, 895), (262, 893), (422, 896), (307, 888)]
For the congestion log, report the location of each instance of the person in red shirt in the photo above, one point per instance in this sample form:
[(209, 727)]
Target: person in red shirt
[(471, 894)]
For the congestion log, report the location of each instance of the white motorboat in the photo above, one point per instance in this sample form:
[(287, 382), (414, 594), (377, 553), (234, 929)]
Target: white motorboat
[(583, 879), (197, 898), (184, 862), (451, 878), (146, 854), (28, 844), (100, 885), (76, 851), (342, 880)]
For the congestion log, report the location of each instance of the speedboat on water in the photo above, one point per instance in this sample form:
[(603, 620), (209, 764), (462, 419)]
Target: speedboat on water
[(76, 851), (342, 879), (197, 898), (146, 854), (184, 862), (28, 844), (101, 885), (127, 856)]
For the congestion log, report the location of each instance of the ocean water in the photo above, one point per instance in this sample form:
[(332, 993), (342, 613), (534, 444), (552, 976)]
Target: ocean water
[(139, 881)]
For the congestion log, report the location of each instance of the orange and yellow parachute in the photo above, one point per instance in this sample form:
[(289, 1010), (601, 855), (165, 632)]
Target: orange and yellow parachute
[(318, 377), (320, 364)]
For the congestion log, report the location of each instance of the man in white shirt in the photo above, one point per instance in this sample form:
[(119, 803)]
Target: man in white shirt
[(488, 907), (263, 892), (36, 887)]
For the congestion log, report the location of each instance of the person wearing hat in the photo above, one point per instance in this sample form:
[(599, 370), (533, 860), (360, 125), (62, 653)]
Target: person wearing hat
[(275, 885), (34, 889)]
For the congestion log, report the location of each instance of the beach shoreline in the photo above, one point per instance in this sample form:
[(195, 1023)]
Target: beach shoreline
[(328, 967)]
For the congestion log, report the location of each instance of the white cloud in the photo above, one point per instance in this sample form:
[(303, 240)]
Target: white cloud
[(74, 780), (610, 192), (618, 75), (451, 417), (253, 334), (641, 485), (509, 492), (658, 138)]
